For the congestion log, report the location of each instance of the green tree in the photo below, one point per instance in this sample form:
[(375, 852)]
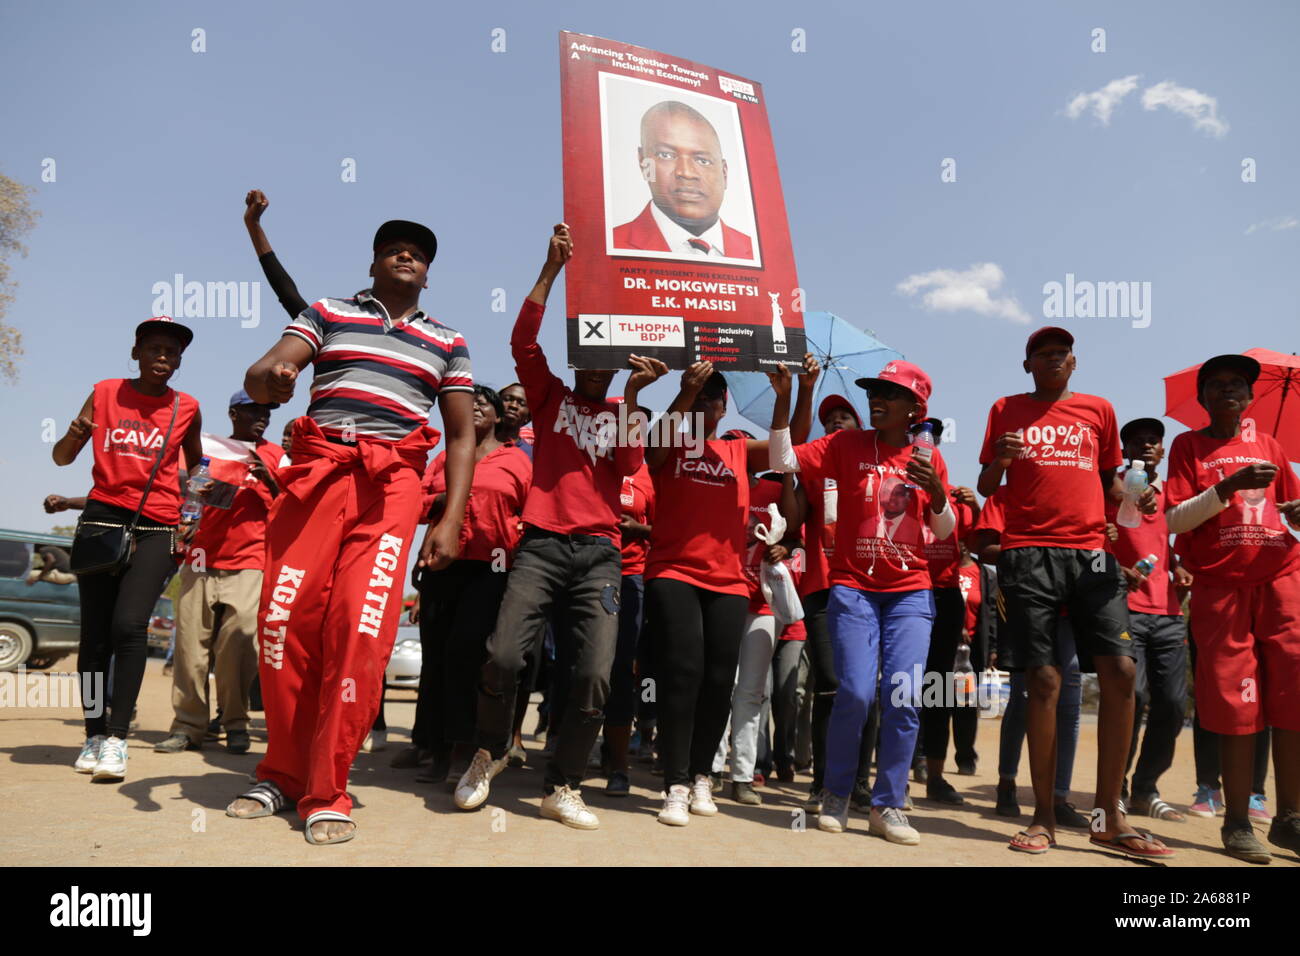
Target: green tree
[(16, 219)]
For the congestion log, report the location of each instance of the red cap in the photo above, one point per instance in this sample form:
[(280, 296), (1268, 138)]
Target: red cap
[(910, 376), (165, 323), (1050, 331), (832, 402)]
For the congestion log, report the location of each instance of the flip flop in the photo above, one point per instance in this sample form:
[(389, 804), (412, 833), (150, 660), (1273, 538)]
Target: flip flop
[(267, 794), (1159, 810), (329, 815), (1031, 850), (1119, 845)]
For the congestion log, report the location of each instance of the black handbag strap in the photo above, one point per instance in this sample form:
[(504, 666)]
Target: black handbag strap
[(157, 463)]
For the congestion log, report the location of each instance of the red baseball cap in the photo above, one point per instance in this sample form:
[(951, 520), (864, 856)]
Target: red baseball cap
[(165, 323), (1047, 332), (832, 402), (910, 376)]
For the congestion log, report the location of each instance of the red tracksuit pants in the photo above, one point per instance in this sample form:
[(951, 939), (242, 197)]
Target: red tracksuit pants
[(339, 537)]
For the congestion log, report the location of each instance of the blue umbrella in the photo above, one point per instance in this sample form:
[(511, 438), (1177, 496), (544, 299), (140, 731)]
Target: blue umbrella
[(846, 353)]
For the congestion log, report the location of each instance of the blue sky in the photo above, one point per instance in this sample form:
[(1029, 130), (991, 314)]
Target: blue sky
[(155, 146)]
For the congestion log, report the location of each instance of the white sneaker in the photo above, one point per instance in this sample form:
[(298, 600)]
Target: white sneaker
[(566, 806), (112, 760), (477, 779), (375, 740), (676, 800), (89, 756), (702, 796), (890, 823), (834, 816)]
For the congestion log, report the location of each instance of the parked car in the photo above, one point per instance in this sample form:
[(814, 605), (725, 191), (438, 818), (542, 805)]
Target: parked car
[(404, 666), (162, 625), (39, 622)]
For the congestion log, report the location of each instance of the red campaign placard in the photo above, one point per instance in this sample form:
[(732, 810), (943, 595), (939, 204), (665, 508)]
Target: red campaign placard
[(671, 191)]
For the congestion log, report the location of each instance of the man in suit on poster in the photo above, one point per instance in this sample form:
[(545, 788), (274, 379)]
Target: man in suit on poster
[(681, 159)]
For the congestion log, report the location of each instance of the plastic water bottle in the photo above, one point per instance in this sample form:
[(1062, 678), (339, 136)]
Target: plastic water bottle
[(200, 479), (1147, 564), (963, 676), (1135, 483), (923, 442)]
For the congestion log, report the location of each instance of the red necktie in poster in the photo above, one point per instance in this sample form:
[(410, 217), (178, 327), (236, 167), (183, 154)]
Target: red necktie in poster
[(671, 191)]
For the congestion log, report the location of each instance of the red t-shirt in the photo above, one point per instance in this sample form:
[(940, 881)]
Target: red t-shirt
[(234, 538), (496, 497), (1054, 494), (1157, 594), (578, 460), (1248, 541), (943, 555), (638, 501), (131, 427), (968, 582), (701, 507), (818, 532), (794, 632), (878, 541)]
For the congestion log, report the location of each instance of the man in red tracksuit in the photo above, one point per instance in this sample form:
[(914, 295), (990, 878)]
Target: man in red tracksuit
[(340, 534)]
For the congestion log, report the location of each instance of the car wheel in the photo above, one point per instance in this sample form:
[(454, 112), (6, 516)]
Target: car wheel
[(15, 645)]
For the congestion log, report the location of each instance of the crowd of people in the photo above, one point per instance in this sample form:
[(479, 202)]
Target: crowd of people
[(666, 594)]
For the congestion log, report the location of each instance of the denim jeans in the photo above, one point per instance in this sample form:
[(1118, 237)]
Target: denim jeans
[(580, 577), (880, 640)]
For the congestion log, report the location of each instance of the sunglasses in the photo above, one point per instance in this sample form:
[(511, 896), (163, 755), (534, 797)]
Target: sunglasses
[(887, 391)]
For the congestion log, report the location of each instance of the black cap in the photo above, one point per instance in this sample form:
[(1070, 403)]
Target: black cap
[(1243, 364), (422, 236), (167, 325), (1050, 331), (1137, 424)]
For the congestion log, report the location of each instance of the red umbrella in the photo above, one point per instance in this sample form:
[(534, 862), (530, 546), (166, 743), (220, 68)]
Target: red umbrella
[(1276, 409)]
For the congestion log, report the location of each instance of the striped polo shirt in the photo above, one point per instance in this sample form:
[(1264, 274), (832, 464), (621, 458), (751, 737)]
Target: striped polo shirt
[(374, 378)]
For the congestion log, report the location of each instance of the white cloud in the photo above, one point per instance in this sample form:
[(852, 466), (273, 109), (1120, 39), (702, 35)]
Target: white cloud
[(1201, 108), (1275, 225), (947, 290), (1103, 101)]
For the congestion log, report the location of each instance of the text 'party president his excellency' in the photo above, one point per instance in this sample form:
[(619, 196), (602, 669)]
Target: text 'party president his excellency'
[(681, 158)]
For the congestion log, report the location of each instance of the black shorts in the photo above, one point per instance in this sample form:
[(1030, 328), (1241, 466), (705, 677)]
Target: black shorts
[(1037, 584)]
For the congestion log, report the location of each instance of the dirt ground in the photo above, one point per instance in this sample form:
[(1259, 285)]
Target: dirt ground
[(169, 812)]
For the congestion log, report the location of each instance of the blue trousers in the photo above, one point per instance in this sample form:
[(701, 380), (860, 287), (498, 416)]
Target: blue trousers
[(879, 641)]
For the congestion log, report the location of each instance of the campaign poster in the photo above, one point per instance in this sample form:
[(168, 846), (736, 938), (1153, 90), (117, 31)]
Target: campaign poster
[(671, 191)]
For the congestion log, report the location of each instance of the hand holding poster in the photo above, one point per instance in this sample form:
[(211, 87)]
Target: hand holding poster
[(671, 193)]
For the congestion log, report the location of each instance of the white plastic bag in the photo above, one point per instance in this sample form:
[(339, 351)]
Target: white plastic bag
[(775, 579)]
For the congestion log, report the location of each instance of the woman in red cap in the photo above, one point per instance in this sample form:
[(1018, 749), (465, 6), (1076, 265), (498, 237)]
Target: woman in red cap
[(139, 427), (881, 607)]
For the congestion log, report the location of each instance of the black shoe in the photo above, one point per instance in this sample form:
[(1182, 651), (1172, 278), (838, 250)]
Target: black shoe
[(1007, 804), (813, 804), (237, 741), (1239, 841), (618, 785), (940, 790), (1067, 816), (860, 799), (214, 729), (967, 768), (920, 772), (438, 771), (745, 793), (715, 782), (175, 744), (1285, 832)]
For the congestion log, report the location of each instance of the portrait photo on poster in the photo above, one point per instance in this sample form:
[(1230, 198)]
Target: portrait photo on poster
[(676, 175)]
